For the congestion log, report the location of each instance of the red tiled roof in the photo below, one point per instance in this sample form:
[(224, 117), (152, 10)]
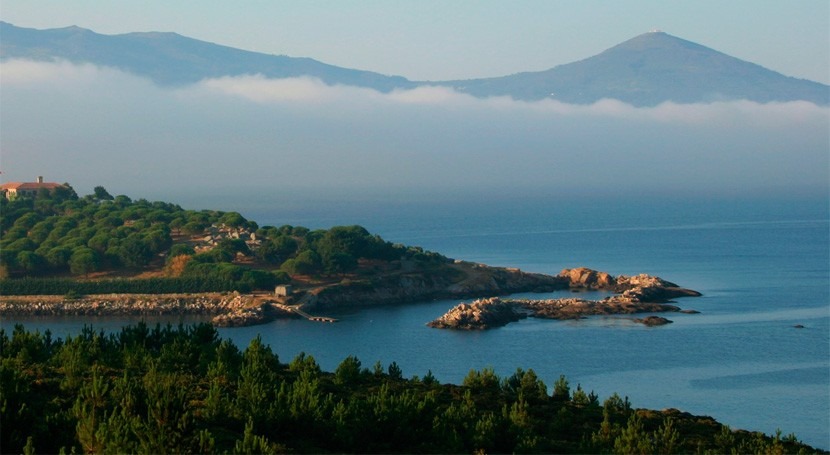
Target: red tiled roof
[(29, 186)]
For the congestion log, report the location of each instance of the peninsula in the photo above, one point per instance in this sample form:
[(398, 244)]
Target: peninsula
[(99, 255)]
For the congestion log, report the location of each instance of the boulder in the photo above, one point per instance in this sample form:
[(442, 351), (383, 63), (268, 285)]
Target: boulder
[(585, 278)]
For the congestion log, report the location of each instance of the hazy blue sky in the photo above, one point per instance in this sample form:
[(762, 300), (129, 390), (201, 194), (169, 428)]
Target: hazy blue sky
[(283, 138), (440, 39)]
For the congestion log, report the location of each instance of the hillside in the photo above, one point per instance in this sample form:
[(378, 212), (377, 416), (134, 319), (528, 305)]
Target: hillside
[(58, 243), (644, 71)]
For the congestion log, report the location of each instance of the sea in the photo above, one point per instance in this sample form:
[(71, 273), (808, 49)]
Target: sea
[(756, 357)]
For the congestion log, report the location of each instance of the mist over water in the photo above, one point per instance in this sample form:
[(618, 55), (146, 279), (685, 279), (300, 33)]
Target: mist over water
[(96, 126)]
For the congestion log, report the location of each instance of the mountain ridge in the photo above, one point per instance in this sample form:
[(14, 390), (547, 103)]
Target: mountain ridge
[(177, 59), (646, 70)]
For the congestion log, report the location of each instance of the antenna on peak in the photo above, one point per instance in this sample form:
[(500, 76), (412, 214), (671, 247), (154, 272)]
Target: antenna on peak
[(655, 30)]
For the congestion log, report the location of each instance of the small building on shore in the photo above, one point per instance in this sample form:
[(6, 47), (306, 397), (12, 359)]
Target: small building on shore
[(283, 290)]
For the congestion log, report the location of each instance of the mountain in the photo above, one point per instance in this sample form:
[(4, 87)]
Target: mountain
[(648, 70), (644, 71), (171, 59)]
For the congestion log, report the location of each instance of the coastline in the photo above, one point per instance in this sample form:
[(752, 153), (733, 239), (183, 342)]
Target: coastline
[(639, 293)]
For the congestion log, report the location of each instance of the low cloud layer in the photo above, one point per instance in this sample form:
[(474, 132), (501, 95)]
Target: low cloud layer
[(92, 126)]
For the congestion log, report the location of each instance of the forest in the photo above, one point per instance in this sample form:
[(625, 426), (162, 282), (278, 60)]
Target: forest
[(182, 389), (59, 243)]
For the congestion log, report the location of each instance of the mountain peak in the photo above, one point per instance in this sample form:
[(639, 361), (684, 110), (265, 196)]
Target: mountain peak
[(650, 69), (657, 39), (74, 28)]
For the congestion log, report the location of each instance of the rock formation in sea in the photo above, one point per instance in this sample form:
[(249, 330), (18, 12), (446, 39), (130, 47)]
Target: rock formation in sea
[(637, 294), (653, 321), (478, 315)]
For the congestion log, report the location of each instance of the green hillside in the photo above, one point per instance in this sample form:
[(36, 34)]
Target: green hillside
[(116, 244)]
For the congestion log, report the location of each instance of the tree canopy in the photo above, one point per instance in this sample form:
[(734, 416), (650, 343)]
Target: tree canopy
[(184, 390), (58, 234)]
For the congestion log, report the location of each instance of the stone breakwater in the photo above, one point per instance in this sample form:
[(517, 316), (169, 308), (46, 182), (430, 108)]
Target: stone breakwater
[(122, 304), (637, 294), (228, 310)]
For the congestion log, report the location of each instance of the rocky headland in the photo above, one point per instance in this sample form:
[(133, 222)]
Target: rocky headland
[(634, 294), (458, 280)]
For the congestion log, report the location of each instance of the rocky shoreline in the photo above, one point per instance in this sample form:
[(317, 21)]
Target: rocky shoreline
[(478, 280), (639, 293), (635, 294)]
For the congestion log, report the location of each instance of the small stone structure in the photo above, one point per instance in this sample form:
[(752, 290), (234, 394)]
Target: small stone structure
[(283, 290)]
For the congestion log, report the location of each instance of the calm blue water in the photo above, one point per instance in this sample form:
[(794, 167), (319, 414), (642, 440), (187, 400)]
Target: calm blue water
[(762, 265)]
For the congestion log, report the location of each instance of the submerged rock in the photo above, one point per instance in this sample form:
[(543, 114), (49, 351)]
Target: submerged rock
[(652, 321)]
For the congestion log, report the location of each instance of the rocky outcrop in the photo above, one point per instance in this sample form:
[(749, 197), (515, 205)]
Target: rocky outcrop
[(496, 312), (642, 287), (647, 288), (638, 294), (478, 315), (585, 278), (580, 308)]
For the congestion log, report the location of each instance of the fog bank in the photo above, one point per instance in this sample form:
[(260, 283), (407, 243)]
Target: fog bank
[(96, 126)]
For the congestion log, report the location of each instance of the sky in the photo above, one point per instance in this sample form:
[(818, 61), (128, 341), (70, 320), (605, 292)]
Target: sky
[(289, 139)]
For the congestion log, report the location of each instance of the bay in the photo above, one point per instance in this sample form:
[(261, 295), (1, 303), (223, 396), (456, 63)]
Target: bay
[(761, 263)]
